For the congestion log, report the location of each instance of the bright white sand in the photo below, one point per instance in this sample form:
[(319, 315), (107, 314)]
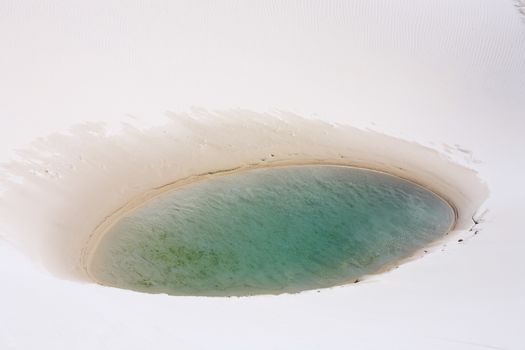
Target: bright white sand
[(444, 75)]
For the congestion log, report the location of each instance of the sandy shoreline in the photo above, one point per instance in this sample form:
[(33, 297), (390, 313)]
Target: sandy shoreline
[(138, 202)]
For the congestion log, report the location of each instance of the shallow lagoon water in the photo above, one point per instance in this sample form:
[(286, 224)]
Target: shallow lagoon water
[(270, 231)]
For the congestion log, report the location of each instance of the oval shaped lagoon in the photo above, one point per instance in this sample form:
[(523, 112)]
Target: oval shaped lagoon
[(270, 231)]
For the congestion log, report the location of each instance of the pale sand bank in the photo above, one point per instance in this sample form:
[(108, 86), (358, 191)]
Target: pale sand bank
[(88, 180)]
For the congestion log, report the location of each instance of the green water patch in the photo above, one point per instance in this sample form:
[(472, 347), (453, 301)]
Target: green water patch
[(270, 231)]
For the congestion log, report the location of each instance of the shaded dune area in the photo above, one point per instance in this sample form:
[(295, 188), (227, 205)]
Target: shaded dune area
[(75, 185)]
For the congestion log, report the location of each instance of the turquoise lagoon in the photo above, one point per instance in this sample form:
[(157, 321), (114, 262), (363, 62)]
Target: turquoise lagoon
[(270, 231)]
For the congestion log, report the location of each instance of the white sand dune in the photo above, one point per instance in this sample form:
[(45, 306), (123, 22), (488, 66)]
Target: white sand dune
[(431, 91)]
